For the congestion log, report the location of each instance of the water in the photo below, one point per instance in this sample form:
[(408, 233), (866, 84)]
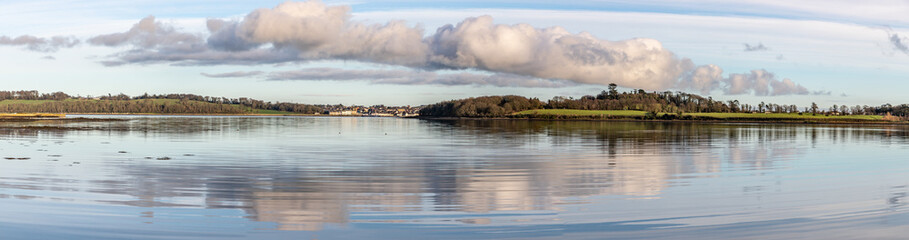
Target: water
[(387, 178)]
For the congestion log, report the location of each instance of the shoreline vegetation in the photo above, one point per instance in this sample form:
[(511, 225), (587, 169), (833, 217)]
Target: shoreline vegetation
[(33, 102), (610, 105), (627, 115), (639, 105)]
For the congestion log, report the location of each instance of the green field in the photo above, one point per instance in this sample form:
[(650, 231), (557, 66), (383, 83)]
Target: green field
[(582, 113), (31, 102), (782, 116), (572, 113)]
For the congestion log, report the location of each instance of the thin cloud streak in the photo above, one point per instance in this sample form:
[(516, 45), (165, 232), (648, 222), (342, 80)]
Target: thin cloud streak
[(756, 48), (39, 44), (328, 95), (239, 74), (821, 92), (408, 77)]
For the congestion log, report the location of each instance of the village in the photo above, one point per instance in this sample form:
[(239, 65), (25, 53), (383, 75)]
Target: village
[(372, 111)]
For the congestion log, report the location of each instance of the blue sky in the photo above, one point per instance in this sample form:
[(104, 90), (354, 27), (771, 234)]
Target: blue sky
[(833, 52)]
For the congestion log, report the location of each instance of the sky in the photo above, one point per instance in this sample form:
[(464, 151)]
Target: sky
[(405, 52)]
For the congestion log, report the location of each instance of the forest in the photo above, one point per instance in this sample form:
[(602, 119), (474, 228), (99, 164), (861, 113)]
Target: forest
[(59, 102), (655, 102)]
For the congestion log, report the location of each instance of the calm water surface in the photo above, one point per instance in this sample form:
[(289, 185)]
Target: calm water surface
[(388, 178)]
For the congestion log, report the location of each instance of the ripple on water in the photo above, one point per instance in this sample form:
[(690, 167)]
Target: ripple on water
[(287, 177)]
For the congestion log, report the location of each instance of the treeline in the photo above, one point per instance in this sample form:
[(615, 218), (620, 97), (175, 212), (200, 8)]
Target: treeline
[(654, 102), (33, 95), (124, 106), (59, 102), (490, 106), (248, 102)]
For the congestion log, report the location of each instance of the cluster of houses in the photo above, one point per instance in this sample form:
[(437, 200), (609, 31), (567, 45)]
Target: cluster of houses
[(372, 111)]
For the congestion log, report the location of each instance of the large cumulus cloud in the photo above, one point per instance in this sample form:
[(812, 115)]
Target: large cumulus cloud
[(156, 42), (555, 53), (306, 31), (316, 31)]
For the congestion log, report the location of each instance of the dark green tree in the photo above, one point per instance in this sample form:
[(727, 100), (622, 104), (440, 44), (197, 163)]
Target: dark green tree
[(613, 93)]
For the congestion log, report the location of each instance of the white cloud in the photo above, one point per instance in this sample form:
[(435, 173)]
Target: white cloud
[(39, 44), (318, 31), (305, 31), (555, 53), (148, 33), (703, 79), (762, 83)]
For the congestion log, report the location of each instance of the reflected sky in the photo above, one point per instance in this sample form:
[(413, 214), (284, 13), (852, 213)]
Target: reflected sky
[(157, 177)]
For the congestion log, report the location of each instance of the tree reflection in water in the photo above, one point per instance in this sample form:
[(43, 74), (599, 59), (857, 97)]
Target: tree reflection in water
[(302, 174)]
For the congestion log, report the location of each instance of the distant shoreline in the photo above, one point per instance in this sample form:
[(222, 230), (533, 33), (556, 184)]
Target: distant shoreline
[(699, 117), (517, 118), (792, 122), (227, 115), (190, 114), (79, 117)]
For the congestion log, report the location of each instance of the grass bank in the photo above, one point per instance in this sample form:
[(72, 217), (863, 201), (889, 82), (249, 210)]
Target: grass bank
[(582, 113), (733, 117), (777, 116)]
